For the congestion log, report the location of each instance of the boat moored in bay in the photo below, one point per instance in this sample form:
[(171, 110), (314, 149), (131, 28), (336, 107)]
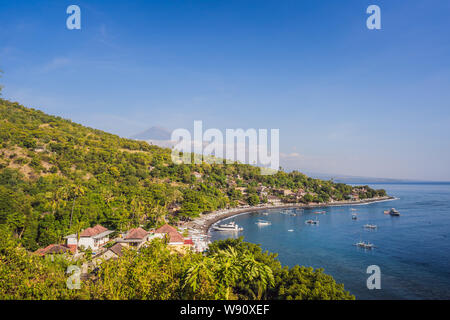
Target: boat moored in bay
[(232, 226), (394, 212), (263, 223), (312, 222), (365, 245)]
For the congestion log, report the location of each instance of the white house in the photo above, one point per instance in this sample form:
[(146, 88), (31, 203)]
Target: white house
[(92, 238), (273, 200)]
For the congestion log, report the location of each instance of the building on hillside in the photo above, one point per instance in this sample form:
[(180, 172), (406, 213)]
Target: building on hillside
[(55, 249), (114, 252), (284, 192), (197, 175), (262, 191), (174, 208), (135, 238), (92, 238), (243, 190), (273, 200), (174, 238)]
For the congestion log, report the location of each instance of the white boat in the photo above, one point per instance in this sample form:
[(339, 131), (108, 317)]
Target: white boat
[(394, 212), (312, 222), (232, 226), (265, 213), (291, 230), (263, 223), (364, 245), (370, 226)]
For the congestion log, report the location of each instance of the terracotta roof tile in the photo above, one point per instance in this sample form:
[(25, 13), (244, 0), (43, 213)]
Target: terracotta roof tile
[(175, 237), (53, 249), (117, 249), (166, 229), (90, 232), (137, 233)]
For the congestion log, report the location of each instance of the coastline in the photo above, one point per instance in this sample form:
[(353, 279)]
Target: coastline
[(201, 225)]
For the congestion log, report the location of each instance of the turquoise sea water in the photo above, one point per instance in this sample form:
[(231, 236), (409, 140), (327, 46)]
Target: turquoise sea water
[(412, 251)]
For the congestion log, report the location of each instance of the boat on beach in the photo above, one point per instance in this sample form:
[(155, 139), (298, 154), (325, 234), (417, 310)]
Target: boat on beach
[(232, 226)]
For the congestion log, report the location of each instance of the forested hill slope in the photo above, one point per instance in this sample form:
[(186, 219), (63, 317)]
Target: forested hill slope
[(58, 177)]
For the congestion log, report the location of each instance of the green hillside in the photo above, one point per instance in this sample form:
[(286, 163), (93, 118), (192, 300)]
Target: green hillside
[(58, 177)]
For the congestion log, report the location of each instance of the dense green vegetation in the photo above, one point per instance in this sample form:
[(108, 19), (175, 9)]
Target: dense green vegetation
[(232, 269), (58, 177)]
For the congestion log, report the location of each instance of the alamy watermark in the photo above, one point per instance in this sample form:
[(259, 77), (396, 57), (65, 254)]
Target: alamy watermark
[(374, 20), (250, 147), (74, 281), (74, 20), (374, 281)]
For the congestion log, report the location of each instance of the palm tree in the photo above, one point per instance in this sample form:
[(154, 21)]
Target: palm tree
[(72, 193), (196, 274), (258, 273)]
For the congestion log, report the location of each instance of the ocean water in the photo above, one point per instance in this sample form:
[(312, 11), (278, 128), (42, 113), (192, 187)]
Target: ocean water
[(412, 251)]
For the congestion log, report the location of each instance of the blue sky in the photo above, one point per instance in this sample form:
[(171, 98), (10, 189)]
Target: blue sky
[(347, 100)]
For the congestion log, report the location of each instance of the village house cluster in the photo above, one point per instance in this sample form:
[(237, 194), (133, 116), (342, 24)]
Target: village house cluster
[(98, 240)]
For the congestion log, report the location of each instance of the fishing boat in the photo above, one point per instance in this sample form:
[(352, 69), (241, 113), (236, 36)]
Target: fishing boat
[(394, 212), (370, 226), (354, 216), (263, 223), (365, 245), (232, 226), (312, 222)]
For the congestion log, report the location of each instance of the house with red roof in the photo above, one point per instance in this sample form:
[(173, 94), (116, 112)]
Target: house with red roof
[(174, 237), (92, 238), (114, 252), (55, 249), (135, 237)]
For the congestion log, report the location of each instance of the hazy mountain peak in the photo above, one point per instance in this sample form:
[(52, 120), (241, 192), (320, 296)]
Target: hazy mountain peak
[(154, 133)]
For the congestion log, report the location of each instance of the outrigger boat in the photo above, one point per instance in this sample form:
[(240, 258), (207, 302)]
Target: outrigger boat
[(364, 245), (232, 226), (312, 222), (370, 226), (263, 223)]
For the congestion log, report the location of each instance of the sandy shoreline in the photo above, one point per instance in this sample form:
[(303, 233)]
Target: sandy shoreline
[(202, 224)]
